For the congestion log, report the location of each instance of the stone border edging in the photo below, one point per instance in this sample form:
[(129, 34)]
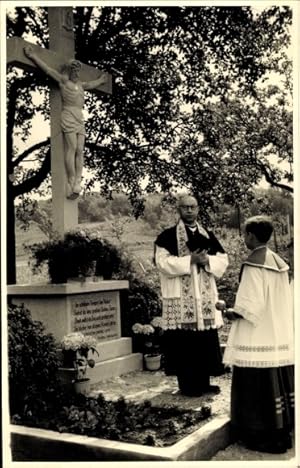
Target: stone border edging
[(33, 444)]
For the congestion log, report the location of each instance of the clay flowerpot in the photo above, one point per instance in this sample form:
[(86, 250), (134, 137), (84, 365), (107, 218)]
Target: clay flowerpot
[(69, 375), (82, 386), (152, 362), (86, 274)]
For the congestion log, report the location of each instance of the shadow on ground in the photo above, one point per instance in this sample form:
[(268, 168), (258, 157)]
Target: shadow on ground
[(163, 390)]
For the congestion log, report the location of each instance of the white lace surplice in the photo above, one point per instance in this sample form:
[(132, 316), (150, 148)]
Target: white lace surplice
[(189, 296), (265, 337)]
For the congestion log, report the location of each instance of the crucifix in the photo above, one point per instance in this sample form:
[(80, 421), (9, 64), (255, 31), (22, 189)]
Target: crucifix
[(60, 56)]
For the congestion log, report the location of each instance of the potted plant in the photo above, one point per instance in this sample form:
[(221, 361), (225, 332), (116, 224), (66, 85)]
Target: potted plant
[(150, 336), (81, 254), (75, 348)]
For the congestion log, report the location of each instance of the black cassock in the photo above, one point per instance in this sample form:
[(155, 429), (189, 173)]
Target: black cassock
[(193, 356)]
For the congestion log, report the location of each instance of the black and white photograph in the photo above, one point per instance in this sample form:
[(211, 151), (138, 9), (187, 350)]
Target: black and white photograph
[(149, 228)]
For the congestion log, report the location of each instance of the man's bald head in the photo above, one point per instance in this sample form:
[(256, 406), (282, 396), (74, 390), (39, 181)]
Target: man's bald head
[(186, 199), (188, 209)]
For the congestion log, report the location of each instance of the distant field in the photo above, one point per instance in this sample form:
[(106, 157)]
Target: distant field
[(31, 236), (137, 238)]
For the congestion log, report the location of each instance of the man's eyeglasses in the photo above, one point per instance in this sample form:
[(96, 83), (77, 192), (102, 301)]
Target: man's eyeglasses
[(191, 207)]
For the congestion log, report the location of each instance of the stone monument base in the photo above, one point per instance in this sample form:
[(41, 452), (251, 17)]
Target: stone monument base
[(91, 308)]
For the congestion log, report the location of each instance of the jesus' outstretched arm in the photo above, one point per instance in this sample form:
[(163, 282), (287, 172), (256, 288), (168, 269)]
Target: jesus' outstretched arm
[(93, 84), (29, 52)]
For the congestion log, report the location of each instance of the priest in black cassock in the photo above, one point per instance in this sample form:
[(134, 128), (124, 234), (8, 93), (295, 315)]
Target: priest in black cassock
[(189, 258)]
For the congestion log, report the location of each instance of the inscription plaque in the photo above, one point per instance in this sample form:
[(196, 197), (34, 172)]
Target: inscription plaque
[(97, 315)]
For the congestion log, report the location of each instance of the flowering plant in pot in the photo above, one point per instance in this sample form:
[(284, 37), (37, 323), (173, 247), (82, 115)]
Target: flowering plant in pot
[(150, 337), (75, 348), (80, 254)]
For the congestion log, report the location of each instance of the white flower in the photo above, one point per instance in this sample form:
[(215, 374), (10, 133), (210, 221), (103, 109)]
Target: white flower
[(137, 328), (157, 322), (72, 231), (93, 235), (90, 342), (148, 329), (76, 340), (73, 341)]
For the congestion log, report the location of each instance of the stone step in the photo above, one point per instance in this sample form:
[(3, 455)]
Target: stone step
[(112, 349), (104, 370)]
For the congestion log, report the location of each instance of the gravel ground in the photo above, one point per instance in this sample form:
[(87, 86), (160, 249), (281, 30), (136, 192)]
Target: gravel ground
[(162, 389), (238, 452)]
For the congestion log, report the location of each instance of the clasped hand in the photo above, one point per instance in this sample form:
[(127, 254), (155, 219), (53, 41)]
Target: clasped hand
[(230, 314), (199, 257)]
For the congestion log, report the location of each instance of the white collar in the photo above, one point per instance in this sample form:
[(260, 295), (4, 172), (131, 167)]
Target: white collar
[(192, 228)]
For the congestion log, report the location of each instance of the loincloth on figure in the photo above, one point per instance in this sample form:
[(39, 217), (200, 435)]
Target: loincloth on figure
[(72, 120)]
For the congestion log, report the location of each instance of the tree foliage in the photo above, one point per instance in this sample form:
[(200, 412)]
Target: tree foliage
[(194, 103), (179, 72)]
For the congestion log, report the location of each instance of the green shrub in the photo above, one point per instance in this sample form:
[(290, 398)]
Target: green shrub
[(236, 250), (38, 400), (143, 297), (33, 362)]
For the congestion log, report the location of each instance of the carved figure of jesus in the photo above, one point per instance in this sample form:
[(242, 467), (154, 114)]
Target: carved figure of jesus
[(72, 121)]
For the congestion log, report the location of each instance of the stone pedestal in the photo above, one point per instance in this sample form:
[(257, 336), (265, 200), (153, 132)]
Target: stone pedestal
[(90, 308)]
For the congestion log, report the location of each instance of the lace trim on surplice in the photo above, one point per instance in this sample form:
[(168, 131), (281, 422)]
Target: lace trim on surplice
[(261, 364)]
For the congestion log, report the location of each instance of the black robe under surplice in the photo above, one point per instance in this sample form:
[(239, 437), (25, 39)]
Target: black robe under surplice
[(193, 356)]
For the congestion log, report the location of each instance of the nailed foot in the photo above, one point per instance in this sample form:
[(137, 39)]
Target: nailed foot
[(73, 190), (73, 196), (76, 191)]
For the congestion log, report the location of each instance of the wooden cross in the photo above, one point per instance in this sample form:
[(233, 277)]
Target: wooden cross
[(62, 49)]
